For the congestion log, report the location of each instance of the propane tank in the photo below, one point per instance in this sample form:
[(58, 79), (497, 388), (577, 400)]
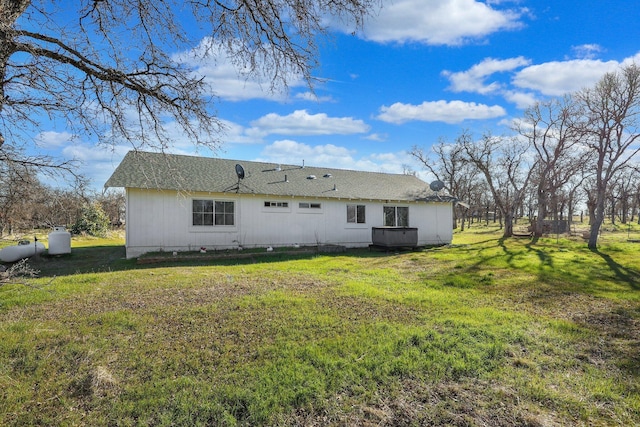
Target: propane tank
[(59, 241)]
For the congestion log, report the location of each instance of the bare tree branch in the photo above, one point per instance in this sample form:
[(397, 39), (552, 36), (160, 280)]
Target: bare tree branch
[(115, 69)]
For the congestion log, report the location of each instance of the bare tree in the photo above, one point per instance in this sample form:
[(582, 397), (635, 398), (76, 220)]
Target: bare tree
[(507, 167), (62, 206), (17, 182), (622, 194), (112, 68), (612, 109), (450, 166), (551, 129), (113, 203)]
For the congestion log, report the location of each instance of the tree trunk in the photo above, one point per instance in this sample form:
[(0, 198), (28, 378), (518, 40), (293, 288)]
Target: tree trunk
[(591, 207), (539, 224), (624, 209), (613, 211), (508, 223), (455, 217), (598, 219)]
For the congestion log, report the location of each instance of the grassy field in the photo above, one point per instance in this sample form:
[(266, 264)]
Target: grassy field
[(483, 332)]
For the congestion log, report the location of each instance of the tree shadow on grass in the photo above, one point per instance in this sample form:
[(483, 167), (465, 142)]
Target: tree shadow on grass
[(515, 255), (622, 273), (545, 259)]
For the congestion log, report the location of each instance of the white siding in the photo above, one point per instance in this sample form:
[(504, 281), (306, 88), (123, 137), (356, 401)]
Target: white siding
[(161, 220)]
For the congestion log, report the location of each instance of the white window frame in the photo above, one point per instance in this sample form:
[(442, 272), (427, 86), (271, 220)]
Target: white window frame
[(214, 213), (354, 213), (396, 216)]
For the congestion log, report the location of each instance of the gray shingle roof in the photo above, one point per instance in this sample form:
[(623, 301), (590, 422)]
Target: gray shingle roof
[(201, 174)]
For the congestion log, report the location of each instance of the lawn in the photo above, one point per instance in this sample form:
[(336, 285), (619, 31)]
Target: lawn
[(486, 331)]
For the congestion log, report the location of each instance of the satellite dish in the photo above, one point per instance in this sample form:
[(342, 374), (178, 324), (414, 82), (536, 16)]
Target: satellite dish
[(436, 185), (240, 171)]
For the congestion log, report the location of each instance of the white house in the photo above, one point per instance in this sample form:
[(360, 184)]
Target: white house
[(183, 203)]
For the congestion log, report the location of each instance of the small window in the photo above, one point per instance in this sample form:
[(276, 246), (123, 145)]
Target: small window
[(355, 214), (396, 216), (305, 205), (276, 204), (213, 212)]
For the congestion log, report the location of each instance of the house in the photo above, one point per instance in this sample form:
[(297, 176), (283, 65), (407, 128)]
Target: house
[(183, 203)]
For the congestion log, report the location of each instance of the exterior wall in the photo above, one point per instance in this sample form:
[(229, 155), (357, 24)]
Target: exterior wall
[(162, 220)]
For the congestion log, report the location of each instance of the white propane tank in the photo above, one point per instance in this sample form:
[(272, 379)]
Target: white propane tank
[(59, 241), (24, 249)]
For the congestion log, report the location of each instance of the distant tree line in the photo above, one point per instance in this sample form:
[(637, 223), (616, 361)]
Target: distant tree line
[(26, 203), (562, 153)]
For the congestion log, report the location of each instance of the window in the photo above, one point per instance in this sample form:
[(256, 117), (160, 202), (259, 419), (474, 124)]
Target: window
[(396, 216), (225, 213), (276, 204), (305, 205), (355, 214), (203, 212), (213, 212)]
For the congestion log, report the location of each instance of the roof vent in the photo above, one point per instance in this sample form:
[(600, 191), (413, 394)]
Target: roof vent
[(327, 175), (311, 177), (278, 168)]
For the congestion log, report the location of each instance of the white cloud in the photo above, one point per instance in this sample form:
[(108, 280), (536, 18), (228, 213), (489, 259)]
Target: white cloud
[(473, 79), (310, 96), (237, 134), (93, 161), (586, 51), (96, 163), (631, 60), (525, 84), (329, 155), (377, 137), (300, 122), (437, 22), (53, 139), (560, 77), (230, 80), (439, 111), (292, 152), (522, 100)]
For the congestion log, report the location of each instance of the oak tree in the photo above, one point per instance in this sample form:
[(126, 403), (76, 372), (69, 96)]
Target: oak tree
[(611, 132), (506, 166), (117, 69), (552, 129)]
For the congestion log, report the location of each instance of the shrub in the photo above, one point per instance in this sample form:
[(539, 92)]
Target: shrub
[(92, 221)]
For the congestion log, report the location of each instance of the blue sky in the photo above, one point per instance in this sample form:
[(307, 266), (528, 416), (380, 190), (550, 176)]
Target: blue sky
[(419, 71)]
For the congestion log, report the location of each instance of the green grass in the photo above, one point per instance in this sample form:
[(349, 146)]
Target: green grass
[(485, 332)]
